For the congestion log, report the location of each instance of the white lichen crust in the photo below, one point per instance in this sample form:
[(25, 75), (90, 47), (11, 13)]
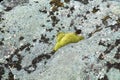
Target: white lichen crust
[(27, 37)]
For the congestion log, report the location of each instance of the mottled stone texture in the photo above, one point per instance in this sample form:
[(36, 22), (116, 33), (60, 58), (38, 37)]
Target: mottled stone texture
[(28, 30)]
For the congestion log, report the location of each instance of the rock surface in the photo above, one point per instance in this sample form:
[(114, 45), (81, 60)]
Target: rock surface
[(27, 36)]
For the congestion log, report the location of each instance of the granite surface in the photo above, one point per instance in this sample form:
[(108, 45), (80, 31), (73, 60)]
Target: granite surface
[(28, 30)]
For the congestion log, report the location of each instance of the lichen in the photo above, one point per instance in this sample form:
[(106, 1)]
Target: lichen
[(28, 34)]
